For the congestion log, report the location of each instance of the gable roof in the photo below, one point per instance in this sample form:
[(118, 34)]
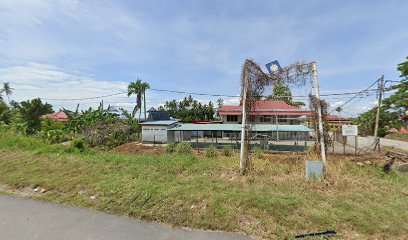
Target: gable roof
[(57, 116), (158, 116)]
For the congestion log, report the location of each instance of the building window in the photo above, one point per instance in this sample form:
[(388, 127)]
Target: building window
[(265, 119), (283, 119), (232, 118)]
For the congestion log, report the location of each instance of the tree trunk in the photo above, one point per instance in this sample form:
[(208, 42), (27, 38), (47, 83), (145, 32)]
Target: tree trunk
[(144, 103)]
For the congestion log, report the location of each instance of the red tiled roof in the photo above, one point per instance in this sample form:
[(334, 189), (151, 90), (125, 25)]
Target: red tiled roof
[(57, 116), (336, 118), (266, 107)]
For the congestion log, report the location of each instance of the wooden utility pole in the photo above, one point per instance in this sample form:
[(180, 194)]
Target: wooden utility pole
[(319, 112), (242, 161), (377, 119)]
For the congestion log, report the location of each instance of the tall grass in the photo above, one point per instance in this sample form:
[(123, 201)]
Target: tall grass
[(272, 202)]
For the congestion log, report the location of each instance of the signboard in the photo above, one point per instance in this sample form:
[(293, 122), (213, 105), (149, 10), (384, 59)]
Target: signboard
[(314, 170), (273, 67), (349, 130)]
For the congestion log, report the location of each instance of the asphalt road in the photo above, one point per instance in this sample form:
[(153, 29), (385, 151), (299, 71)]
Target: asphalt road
[(29, 219)]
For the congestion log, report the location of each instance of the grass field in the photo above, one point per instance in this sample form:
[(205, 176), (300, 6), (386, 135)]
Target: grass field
[(273, 202)]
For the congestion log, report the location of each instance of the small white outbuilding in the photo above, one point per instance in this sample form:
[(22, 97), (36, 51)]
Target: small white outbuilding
[(156, 131)]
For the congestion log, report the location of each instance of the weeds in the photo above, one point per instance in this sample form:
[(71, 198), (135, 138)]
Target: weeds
[(171, 147), (183, 148), (227, 151), (258, 152), (211, 152)]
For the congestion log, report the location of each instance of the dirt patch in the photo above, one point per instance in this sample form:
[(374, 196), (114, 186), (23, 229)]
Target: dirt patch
[(139, 148), (27, 192)]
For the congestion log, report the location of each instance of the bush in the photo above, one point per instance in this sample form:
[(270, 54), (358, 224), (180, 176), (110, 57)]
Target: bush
[(171, 147), (183, 148), (258, 152), (78, 144), (55, 136), (227, 151), (108, 134), (49, 124), (211, 152)]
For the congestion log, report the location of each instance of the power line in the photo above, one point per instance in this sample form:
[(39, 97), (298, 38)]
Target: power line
[(88, 98), (204, 94), (367, 89)]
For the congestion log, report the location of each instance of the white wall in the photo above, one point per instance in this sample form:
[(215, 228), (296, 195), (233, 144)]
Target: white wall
[(154, 133)]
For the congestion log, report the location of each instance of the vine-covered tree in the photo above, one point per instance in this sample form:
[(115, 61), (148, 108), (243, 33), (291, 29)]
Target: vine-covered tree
[(189, 109)]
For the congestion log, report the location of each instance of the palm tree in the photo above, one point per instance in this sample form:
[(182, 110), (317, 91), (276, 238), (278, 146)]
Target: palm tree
[(7, 90), (145, 86), (137, 89)]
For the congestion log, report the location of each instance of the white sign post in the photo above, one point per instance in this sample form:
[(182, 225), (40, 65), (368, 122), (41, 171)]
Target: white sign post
[(350, 130)]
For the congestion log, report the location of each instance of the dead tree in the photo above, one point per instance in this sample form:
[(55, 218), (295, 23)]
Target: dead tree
[(253, 84)]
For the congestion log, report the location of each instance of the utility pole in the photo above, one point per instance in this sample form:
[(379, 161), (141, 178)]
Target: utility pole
[(319, 112), (377, 119), (243, 129)]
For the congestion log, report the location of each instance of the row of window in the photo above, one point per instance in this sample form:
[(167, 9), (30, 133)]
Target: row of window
[(152, 129), (234, 118)]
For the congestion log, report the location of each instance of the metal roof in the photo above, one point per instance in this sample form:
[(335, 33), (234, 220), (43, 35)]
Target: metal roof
[(237, 127), (163, 123)]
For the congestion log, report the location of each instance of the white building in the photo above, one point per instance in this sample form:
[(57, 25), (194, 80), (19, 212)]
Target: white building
[(156, 131)]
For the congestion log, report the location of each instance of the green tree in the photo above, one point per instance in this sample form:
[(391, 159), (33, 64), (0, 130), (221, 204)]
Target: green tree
[(190, 109), (31, 112), (8, 90), (393, 109), (398, 101), (136, 88), (220, 103), (283, 93), (145, 86), (139, 88), (366, 121), (5, 113)]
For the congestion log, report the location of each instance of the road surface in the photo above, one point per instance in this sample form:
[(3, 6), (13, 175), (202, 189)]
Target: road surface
[(22, 219)]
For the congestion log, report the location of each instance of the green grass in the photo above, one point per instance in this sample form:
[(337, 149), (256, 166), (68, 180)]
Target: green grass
[(273, 202)]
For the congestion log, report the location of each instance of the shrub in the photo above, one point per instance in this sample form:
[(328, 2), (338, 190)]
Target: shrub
[(55, 136), (211, 152), (108, 134), (183, 148), (78, 144), (49, 124), (258, 152), (171, 147), (227, 151)]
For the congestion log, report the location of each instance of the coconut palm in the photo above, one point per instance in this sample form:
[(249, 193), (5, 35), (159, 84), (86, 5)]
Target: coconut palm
[(7, 90), (137, 89), (145, 86)]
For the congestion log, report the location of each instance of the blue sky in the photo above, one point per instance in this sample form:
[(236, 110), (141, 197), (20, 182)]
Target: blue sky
[(74, 48)]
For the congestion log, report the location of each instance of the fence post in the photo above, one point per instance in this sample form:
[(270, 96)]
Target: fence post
[(154, 140), (344, 145)]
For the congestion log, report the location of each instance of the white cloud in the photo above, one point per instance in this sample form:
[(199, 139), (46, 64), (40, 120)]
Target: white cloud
[(46, 81)]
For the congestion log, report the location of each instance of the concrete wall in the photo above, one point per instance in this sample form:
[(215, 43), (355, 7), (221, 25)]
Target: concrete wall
[(154, 133), (364, 142)]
